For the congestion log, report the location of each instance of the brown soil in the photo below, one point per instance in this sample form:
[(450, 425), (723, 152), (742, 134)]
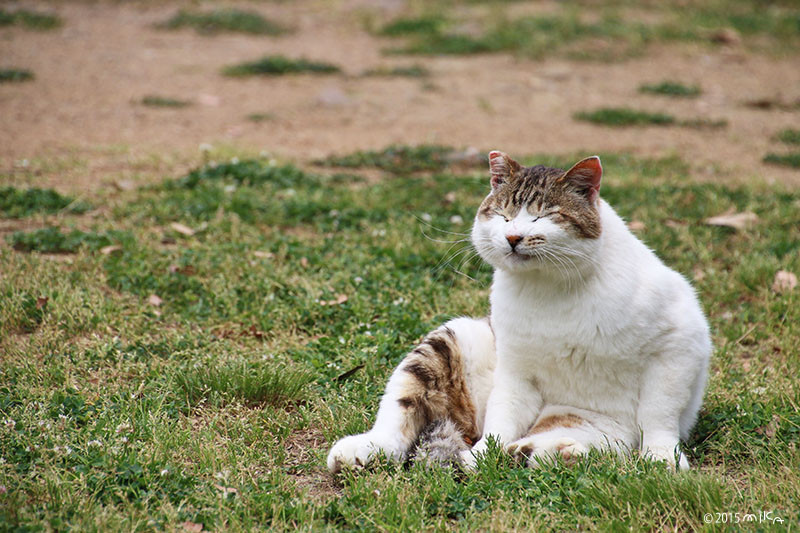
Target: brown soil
[(92, 73)]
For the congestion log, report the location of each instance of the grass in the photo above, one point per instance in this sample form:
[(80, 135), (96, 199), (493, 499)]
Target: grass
[(604, 32), (789, 160), (672, 88), (410, 71), (788, 136), (623, 116), (224, 20), (398, 159), (31, 20), (15, 75), (279, 65), (16, 203), (164, 101), (215, 403), (54, 241)]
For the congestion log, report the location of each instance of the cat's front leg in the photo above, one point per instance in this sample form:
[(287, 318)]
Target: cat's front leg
[(669, 398), (513, 405)]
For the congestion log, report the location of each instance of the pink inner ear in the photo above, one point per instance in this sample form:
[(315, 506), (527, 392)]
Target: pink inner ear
[(498, 166)]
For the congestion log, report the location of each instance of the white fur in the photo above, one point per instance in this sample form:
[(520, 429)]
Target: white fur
[(599, 328), (603, 326)]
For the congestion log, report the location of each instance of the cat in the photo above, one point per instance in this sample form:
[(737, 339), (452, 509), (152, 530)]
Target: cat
[(591, 342)]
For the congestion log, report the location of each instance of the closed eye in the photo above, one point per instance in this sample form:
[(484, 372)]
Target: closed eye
[(502, 215)]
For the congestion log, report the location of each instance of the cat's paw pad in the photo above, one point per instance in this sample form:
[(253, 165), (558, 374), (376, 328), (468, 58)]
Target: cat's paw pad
[(355, 451)]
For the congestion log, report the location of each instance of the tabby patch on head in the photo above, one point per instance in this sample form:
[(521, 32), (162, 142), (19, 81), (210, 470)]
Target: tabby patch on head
[(569, 199)]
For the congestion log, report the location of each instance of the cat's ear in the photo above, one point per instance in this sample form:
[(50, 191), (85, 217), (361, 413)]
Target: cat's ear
[(501, 167), (585, 175)]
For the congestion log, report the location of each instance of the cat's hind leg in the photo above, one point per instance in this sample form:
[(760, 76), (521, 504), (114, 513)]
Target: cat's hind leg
[(448, 376), (570, 432)]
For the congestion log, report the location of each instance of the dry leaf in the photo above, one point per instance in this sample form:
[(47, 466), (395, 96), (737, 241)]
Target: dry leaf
[(155, 300), (187, 270), (108, 250), (225, 490), (192, 527), (726, 36), (636, 225), (263, 255), (733, 220), (340, 299), (125, 185), (253, 330), (41, 302), (770, 429), (674, 223), (784, 281), (698, 274), (183, 230), (304, 262)]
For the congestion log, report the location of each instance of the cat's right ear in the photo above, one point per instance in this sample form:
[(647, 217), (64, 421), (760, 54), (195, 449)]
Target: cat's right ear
[(501, 167)]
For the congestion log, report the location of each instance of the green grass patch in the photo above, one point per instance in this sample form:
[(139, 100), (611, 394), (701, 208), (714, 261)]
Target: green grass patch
[(788, 136), (32, 20), (54, 241), (425, 25), (247, 382), (224, 20), (410, 71), (260, 117), (788, 160), (622, 116), (279, 66), (15, 75), (164, 101), (672, 88), (16, 203), (279, 319), (400, 159)]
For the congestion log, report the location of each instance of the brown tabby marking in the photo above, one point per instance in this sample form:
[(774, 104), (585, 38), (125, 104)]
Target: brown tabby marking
[(437, 388), (568, 420), (545, 191)]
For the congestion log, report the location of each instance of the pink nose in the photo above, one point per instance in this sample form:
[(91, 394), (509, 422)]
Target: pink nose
[(513, 240)]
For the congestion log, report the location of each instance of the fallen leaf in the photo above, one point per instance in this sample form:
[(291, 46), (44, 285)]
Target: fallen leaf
[(304, 262), (674, 223), (225, 490), (733, 220), (636, 225), (770, 429), (183, 230), (108, 250), (125, 185), (253, 330), (263, 255), (193, 527), (340, 299), (187, 270), (698, 274), (154, 300), (344, 375), (784, 281), (726, 36), (41, 302)]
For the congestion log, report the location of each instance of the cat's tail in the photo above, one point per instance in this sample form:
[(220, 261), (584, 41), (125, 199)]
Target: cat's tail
[(440, 444)]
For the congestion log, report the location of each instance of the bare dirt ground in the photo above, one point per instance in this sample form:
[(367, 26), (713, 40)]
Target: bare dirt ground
[(92, 73)]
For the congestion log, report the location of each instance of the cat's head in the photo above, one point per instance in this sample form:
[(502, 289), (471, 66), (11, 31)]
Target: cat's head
[(537, 217)]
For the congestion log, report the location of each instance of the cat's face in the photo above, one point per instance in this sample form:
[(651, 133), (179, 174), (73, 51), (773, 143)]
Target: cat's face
[(537, 217)]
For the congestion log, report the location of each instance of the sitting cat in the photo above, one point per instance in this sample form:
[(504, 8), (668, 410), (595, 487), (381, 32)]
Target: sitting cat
[(592, 341)]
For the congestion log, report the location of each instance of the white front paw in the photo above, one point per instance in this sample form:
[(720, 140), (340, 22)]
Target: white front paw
[(668, 454), (358, 451)]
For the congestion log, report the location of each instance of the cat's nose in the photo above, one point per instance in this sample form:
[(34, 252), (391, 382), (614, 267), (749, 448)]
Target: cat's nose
[(513, 240)]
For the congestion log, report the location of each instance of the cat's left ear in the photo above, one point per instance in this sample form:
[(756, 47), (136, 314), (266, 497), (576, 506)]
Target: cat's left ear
[(586, 175)]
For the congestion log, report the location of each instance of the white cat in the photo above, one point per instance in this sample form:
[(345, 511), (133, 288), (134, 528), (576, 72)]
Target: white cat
[(592, 341)]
